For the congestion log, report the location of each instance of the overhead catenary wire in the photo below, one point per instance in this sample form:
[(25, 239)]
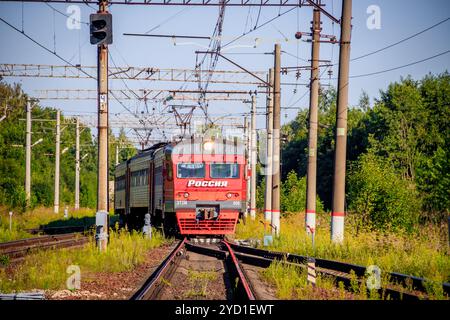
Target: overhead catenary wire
[(65, 15), (63, 59), (45, 48), (167, 20), (388, 46), (258, 27)]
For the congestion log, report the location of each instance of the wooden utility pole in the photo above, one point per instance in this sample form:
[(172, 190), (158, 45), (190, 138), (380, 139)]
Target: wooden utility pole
[(269, 159), (276, 144), (57, 157), (77, 164), (311, 173), (28, 156), (253, 148), (338, 208), (102, 218)]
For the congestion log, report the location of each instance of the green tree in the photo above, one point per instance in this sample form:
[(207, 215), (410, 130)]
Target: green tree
[(12, 159)]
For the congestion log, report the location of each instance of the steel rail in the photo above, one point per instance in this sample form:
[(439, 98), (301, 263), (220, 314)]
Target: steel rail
[(17, 249), (263, 258), (339, 276), (60, 230), (244, 288), (243, 278), (152, 286), (34, 241)]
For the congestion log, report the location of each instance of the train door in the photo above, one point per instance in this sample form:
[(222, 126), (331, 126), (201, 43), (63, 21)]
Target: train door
[(127, 190), (151, 188)]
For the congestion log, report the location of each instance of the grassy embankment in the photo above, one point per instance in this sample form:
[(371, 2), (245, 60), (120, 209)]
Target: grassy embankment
[(47, 270), (42, 217), (423, 253)]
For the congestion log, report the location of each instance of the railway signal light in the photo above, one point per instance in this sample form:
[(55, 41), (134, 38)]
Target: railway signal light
[(101, 28)]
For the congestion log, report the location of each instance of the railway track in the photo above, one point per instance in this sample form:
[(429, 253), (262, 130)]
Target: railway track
[(238, 259), (218, 261), (18, 249), (60, 230), (340, 271)]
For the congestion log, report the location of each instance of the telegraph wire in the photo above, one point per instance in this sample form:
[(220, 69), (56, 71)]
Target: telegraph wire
[(401, 41), (379, 72), (399, 67)]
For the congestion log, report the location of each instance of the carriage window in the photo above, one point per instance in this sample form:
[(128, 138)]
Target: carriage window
[(139, 178), (191, 170), (120, 183), (224, 170)]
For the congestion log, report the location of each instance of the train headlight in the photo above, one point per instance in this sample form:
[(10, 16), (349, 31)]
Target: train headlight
[(208, 146), (229, 195), (186, 194)]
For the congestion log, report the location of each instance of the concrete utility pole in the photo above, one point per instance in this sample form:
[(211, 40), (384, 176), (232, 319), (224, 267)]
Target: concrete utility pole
[(276, 144), (77, 164), (269, 159), (253, 146), (57, 157), (246, 161), (102, 218), (28, 156), (117, 154), (311, 173), (338, 209)]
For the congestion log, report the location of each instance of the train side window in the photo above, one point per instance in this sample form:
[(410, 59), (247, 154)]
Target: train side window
[(145, 177), (135, 178), (191, 170), (120, 183)]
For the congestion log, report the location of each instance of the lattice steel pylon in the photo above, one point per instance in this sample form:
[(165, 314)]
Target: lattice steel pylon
[(127, 73)]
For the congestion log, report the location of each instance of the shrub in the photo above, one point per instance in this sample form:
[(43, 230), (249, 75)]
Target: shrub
[(379, 194), (293, 194)]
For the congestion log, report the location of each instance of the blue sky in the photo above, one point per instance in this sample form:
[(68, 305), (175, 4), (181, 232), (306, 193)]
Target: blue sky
[(399, 19)]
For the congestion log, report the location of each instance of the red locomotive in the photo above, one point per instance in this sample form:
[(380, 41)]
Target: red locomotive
[(192, 187)]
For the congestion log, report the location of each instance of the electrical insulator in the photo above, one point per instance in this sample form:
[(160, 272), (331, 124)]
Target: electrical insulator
[(330, 73)]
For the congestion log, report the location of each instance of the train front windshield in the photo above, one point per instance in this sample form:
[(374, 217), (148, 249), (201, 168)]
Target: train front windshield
[(191, 170), (225, 170)]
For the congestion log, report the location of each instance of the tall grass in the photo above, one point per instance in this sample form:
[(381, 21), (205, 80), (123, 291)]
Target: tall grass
[(423, 253), (39, 217), (290, 282), (47, 269)]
